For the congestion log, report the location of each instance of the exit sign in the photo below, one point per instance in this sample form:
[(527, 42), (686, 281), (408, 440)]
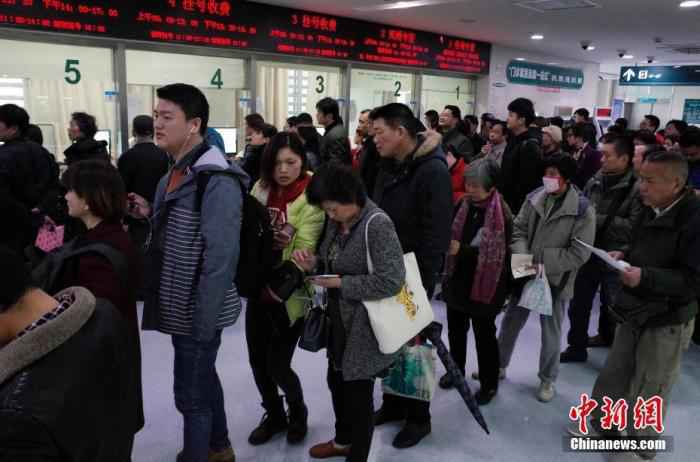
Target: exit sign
[(659, 75)]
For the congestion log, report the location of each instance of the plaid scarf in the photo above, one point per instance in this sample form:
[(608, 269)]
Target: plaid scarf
[(492, 249)]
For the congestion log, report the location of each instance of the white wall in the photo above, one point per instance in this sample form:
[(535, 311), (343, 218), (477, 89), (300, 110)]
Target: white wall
[(545, 99)]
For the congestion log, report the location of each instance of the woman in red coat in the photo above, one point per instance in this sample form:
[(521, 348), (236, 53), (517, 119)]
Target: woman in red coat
[(97, 197)]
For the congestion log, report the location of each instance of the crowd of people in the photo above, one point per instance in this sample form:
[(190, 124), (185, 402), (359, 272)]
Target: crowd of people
[(176, 223)]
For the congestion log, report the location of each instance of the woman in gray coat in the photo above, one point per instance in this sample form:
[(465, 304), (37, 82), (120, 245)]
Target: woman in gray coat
[(353, 352)]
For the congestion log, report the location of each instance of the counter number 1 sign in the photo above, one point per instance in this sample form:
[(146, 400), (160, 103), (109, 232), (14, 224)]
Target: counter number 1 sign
[(73, 74)]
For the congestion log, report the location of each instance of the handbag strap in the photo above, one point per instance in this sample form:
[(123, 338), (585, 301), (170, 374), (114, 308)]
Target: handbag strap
[(370, 265)]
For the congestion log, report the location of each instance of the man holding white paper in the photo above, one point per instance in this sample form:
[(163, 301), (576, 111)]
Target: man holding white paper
[(614, 191), (547, 227)]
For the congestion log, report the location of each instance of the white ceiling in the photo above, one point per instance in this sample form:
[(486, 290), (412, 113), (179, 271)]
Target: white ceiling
[(631, 25)]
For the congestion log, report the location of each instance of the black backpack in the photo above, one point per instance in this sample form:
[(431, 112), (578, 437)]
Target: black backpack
[(47, 272), (256, 258)]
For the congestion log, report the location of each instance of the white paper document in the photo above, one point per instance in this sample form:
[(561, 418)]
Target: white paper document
[(521, 265), (619, 265)]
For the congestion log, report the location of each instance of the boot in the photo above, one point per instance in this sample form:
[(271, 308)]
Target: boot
[(274, 421), (298, 426)]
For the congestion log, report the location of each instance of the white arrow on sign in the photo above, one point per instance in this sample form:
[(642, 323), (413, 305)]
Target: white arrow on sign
[(629, 75)]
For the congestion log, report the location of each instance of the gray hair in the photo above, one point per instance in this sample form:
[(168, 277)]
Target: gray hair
[(677, 164), (485, 172)]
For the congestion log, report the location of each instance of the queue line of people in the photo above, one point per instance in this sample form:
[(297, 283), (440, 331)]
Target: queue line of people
[(529, 204)]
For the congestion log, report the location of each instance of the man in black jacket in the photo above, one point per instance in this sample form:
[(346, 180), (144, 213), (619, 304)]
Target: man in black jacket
[(67, 389), (454, 142), (142, 166), (657, 306), (413, 187), (26, 172), (335, 145), (521, 166), (615, 194)]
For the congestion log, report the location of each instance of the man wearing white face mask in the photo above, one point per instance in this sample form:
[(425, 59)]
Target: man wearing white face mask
[(549, 222)]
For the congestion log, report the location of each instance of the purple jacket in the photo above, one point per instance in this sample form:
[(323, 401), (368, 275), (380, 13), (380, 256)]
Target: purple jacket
[(588, 166)]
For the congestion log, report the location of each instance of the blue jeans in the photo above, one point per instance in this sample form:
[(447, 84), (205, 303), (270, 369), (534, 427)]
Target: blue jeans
[(199, 397)]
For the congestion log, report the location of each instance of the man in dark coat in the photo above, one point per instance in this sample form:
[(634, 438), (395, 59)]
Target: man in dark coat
[(67, 386), (658, 303), (521, 165), (454, 141), (413, 188), (141, 168), (82, 131), (615, 194), (335, 145), (27, 171)]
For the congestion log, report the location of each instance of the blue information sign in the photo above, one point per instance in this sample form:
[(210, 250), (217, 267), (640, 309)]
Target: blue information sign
[(691, 111), (659, 75), (525, 73)]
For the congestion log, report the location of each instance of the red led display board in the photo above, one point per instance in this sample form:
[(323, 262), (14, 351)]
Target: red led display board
[(250, 26)]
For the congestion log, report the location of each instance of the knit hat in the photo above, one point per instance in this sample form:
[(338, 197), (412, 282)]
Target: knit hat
[(554, 132)]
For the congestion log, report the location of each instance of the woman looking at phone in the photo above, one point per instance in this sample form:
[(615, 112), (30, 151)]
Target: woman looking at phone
[(273, 328), (355, 361)]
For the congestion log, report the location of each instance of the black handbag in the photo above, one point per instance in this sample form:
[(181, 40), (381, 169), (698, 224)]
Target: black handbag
[(314, 337)]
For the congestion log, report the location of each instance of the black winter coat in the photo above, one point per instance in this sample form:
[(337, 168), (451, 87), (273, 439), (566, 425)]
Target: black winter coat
[(28, 173), (67, 390), (86, 149), (335, 145), (252, 163), (459, 286), (459, 145), (369, 164), (667, 249), (142, 167), (417, 195), (522, 168)]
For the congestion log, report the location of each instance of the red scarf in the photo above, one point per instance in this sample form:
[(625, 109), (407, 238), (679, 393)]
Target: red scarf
[(492, 249), (280, 197)]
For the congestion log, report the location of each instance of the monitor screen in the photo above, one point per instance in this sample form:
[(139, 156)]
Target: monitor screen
[(104, 135), (230, 136)]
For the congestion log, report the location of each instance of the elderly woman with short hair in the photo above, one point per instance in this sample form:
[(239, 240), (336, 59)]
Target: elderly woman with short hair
[(477, 273)]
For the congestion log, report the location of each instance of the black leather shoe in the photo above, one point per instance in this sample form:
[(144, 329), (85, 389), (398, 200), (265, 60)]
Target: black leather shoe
[(573, 356), (598, 342), (446, 382), (484, 397), (383, 416), (411, 435), (269, 427), (298, 423)]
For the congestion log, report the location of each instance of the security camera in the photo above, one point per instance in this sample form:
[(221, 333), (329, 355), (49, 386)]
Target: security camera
[(650, 59), (585, 44), (621, 53)]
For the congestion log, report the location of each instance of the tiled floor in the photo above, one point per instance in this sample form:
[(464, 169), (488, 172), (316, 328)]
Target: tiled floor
[(522, 429)]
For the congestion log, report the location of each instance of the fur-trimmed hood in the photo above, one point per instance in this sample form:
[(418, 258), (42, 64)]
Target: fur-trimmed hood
[(428, 141)]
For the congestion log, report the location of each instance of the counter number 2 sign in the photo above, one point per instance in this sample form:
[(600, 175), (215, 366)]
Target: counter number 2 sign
[(73, 75)]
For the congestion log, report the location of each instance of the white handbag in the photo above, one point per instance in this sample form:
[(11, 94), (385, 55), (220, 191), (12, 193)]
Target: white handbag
[(396, 320)]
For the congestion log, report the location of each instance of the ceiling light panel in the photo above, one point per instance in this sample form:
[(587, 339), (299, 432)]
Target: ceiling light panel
[(545, 6)]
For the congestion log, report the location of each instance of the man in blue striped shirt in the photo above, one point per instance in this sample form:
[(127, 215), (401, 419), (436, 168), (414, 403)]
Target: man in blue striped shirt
[(194, 252)]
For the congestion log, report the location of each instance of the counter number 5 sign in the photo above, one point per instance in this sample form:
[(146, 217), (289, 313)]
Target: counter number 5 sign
[(73, 74)]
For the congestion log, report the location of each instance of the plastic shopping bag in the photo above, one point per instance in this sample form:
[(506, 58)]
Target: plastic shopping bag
[(537, 295), (413, 374)]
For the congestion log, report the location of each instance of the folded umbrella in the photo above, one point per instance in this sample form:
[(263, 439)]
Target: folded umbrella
[(433, 332)]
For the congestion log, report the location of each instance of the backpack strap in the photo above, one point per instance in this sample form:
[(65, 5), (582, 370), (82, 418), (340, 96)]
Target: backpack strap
[(115, 257), (203, 181)]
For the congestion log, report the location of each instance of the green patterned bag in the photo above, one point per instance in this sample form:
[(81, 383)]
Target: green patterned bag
[(413, 373)]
